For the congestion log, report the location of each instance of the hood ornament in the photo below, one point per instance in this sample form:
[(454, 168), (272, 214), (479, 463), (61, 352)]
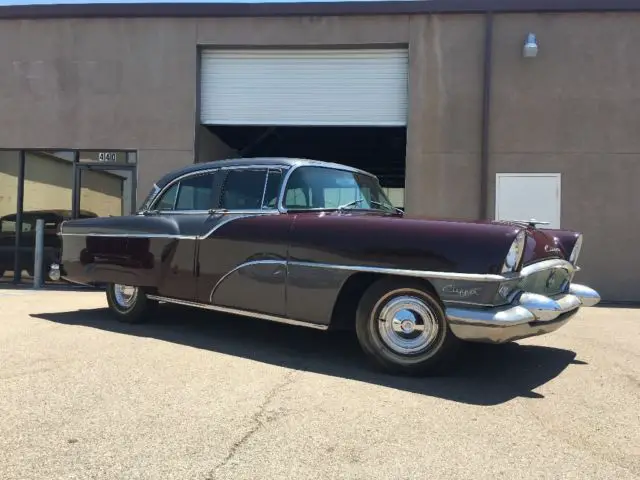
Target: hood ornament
[(533, 222)]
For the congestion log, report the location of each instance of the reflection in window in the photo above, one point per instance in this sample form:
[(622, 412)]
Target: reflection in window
[(195, 193), (320, 187), (243, 189), (168, 199), (334, 197), (298, 198), (8, 226)]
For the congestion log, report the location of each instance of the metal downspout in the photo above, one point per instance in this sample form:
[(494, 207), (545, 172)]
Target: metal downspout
[(486, 113)]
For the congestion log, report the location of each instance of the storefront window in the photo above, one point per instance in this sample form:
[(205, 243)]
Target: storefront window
[(55, 186), (9, 173), (48, 193)]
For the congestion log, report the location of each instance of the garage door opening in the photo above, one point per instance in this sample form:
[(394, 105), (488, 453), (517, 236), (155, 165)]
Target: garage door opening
[(341, 105), (379, 150)]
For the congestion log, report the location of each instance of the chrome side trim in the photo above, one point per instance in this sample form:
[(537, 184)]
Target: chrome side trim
[(232, 218), (130, 235), (240, 267), (235, 311), (477, 277)]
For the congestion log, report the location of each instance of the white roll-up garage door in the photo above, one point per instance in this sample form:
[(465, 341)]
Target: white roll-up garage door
[(304, 87)]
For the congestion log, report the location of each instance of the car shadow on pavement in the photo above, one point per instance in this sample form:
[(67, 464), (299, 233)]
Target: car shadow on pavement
[(485, 374)]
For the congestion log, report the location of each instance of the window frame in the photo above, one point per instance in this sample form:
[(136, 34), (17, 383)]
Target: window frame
[(213, 197), (283, 190), (265, 169), (219, 178), (153, 205)]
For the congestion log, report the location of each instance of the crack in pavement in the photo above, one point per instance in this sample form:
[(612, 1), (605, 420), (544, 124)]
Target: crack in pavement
[(259, 420)]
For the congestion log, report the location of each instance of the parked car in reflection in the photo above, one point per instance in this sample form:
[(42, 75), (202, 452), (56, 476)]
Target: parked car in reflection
[(319, 245), (26, 253)]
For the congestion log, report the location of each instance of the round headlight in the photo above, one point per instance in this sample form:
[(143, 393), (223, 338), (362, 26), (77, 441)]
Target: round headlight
[(575, 253), (515, 253)]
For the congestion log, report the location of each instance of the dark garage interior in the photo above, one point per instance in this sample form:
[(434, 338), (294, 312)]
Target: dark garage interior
[(379, 150)]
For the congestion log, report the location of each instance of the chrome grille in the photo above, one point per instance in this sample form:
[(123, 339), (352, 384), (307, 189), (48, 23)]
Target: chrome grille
[(548, 282)]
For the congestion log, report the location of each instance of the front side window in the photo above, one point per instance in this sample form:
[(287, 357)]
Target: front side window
[(332, 188), (243, 189)]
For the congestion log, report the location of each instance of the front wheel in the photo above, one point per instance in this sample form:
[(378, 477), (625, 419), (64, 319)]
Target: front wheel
[(402, 327), (128, 304)]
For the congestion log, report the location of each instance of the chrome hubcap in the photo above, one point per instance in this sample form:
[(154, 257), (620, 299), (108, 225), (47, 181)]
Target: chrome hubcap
[(125, 295), (407, 325)]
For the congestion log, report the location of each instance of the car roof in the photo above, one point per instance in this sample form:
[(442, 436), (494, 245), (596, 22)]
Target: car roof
[(258, 161)]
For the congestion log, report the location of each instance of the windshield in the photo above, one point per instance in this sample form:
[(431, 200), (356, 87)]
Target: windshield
[(331, 188)]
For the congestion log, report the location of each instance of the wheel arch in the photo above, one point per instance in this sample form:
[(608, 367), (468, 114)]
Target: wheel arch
[(344, 309)]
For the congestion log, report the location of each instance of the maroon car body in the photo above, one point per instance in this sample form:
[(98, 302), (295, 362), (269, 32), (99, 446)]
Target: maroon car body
[(280, 239)]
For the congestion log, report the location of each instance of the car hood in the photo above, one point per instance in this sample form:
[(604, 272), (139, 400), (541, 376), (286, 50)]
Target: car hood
[(542, 243)]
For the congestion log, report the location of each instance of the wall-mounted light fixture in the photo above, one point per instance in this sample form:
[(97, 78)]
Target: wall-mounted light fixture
[(530, 48)]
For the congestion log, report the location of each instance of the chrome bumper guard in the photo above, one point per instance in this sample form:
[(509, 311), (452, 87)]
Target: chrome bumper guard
[(529, 316)]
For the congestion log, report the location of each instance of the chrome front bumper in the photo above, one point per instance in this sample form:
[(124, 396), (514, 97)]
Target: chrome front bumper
[(529, 316)]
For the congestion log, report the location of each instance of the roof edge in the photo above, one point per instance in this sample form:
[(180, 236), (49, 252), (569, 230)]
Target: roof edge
[(330, 8)]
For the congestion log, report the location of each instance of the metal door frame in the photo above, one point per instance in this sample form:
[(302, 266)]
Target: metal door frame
[(77, 187)]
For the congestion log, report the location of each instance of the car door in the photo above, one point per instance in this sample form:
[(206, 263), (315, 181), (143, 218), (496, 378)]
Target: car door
[(187, 202), (242, 252)]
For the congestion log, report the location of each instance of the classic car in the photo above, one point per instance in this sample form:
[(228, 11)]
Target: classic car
[(318, 244), (26, 253)]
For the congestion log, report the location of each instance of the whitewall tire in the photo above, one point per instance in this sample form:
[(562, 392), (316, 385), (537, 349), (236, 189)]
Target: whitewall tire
[(402, 327), (129, 304)]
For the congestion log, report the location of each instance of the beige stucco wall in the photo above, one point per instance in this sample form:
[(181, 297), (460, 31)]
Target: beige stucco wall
[(574, 109), (131, 83), (48, 186), (445, 100)]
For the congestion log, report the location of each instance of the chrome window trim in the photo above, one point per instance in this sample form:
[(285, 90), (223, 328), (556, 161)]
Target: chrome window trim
[(205, 171), (236, 311)]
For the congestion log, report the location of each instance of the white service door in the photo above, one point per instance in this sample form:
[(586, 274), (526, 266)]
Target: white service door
[(304, 87), (526, 196)]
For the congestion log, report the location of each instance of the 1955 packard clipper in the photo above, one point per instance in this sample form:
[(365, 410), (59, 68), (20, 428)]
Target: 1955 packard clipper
[(319, 245)]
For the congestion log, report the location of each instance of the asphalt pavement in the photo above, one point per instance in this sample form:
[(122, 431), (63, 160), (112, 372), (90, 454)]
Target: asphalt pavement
[(200, 396)]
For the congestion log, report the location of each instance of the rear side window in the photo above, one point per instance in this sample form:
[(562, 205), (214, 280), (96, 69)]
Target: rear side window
[(168, 198), (195, 193), (192, 193)]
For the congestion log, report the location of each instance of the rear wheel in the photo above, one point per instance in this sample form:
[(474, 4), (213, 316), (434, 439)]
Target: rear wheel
[(129, 304), (401, 326)]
